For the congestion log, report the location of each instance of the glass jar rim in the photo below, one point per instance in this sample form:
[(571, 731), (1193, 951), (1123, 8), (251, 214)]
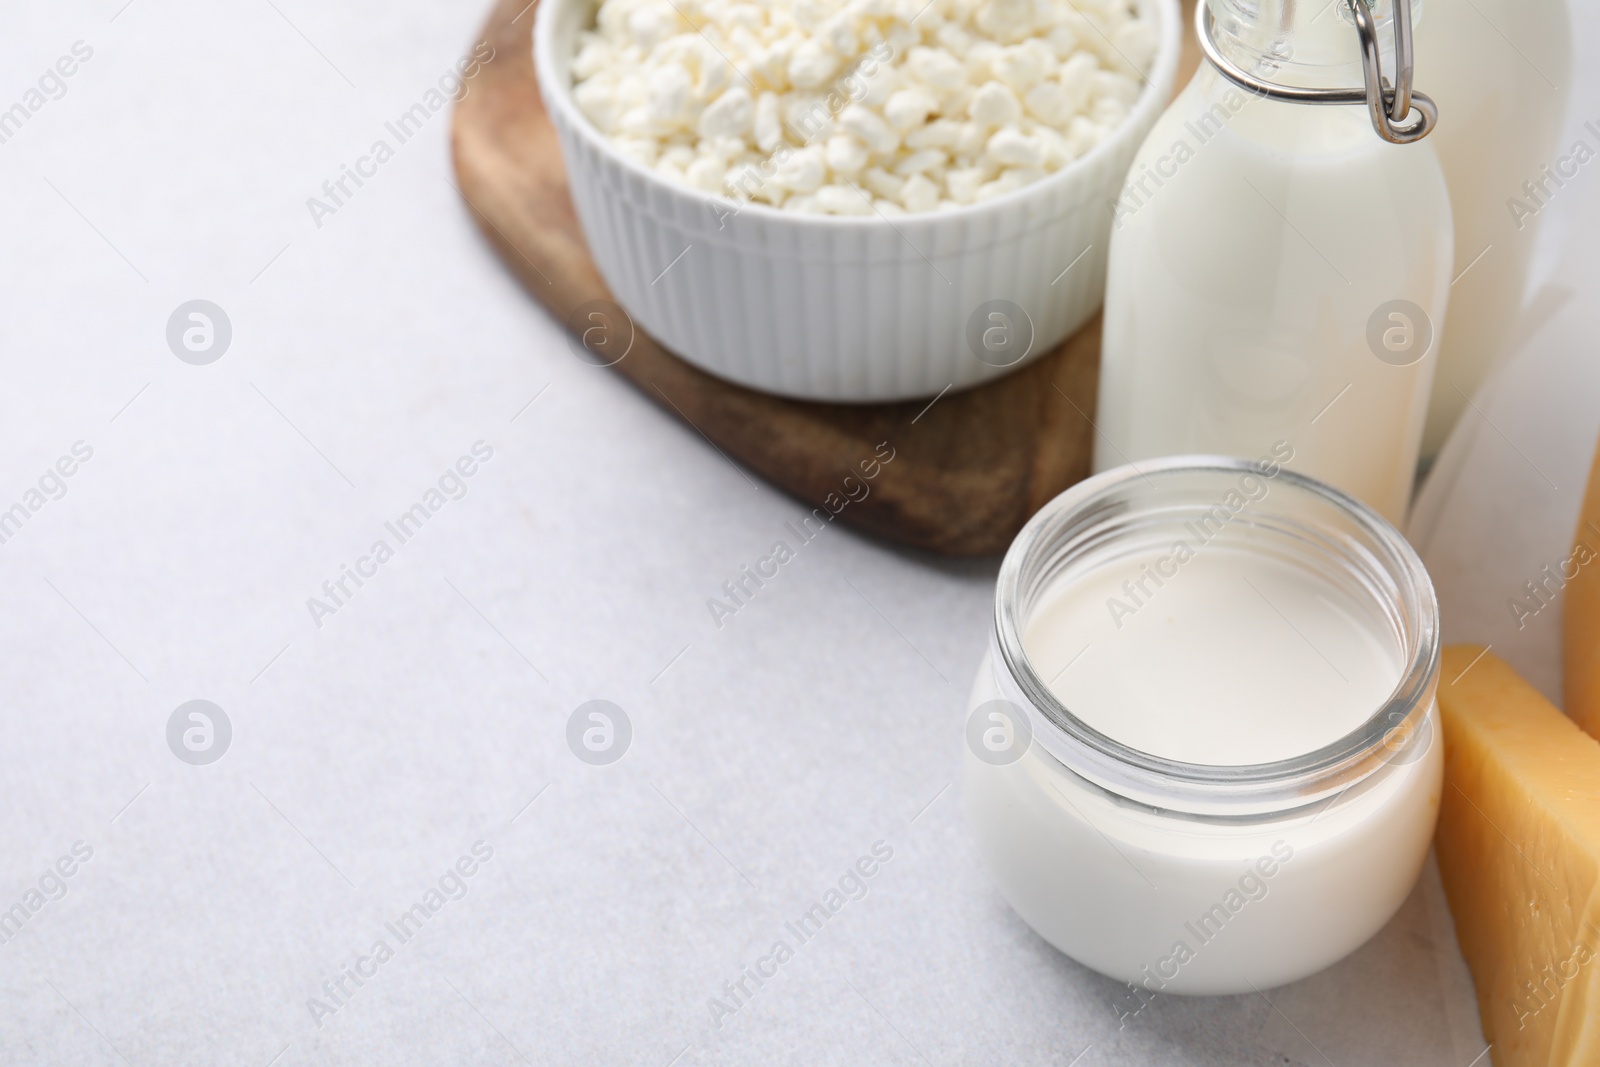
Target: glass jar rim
[(1210, 789)]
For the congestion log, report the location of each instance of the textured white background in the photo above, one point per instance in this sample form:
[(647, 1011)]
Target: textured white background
[(371, 753)]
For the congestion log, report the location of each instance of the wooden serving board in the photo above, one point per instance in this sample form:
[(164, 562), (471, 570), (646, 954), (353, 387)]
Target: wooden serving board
[(967, 471)]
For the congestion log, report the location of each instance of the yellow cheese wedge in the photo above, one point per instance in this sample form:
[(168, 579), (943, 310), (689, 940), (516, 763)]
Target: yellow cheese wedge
[(1581, 651), (1519, 848)]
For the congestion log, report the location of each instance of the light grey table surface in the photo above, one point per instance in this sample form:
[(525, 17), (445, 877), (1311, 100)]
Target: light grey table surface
[(375, 746)]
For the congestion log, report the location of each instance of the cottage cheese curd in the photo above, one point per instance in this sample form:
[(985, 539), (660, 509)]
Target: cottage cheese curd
[(860, 106)]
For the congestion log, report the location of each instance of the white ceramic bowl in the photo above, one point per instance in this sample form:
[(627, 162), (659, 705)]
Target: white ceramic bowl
[(843, 308)]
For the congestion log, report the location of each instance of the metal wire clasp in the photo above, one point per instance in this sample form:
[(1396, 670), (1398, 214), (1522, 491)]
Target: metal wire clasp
[(1388, 104)]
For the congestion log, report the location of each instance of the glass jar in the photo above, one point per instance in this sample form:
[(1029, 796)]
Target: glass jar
[(1277, 270), (1265, 860)]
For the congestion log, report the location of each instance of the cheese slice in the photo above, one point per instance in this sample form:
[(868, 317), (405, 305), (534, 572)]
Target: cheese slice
[(1519, 849), (1581, 646)]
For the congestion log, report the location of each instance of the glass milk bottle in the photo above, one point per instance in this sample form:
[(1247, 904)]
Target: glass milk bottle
[(1501, 72), (1279, 270)]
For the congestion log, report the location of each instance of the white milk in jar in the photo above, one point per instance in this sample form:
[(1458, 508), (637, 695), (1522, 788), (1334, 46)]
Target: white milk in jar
[(1278, 271), (1201, 754)]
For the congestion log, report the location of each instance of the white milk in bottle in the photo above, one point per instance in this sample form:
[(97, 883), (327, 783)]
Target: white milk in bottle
[(1500, 71), (1278, 271)]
